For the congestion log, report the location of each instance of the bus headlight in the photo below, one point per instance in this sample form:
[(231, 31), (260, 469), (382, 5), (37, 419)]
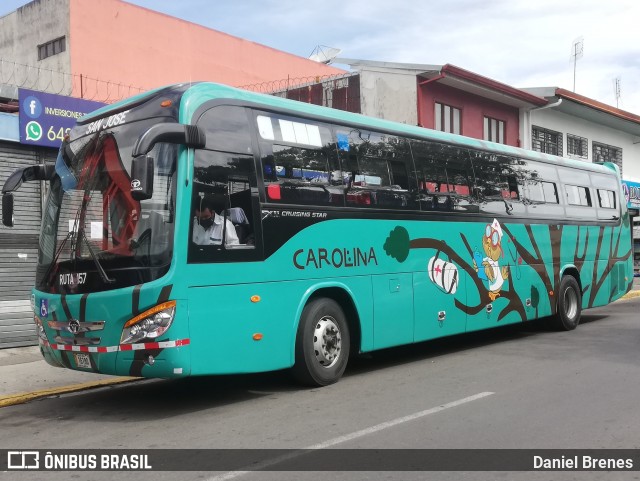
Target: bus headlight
[(40, 328), (151, 324)]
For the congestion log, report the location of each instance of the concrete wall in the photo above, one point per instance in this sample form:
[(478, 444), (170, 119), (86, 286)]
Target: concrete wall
[(473, 110), (560, 122), (389, 95), (21, 32)]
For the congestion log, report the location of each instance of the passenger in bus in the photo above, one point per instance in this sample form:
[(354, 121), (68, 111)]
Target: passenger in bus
[(209, 226)]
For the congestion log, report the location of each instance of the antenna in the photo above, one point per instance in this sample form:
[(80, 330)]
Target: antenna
[(617, 89), (577, 51), (324, 54)]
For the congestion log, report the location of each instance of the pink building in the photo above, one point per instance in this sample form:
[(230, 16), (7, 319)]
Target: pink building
[(459, 101), (109, 49)]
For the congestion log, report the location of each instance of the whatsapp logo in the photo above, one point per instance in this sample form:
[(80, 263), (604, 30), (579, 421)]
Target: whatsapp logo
[(34, 131)]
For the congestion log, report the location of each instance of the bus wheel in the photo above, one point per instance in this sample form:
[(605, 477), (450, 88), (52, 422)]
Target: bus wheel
[(322, 343), (569, 305)]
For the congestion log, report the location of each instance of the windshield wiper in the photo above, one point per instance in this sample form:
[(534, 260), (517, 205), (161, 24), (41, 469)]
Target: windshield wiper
[(55, 257), (71, 234), (103, 275)]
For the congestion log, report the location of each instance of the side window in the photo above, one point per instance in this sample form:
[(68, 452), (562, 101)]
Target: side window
[(299, 161), (224, 207), (227, 129), (578, 195), (609, 201), (444, 177), (224, 204), (376, 169), (550, 192), (539, 189), (497, 183), (606, 199)]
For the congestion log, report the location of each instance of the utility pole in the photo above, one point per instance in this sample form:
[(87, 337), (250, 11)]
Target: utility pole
[(617, 90), (577, 50)]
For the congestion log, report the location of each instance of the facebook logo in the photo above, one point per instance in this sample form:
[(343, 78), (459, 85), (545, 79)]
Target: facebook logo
[(23, 460), (32, 107)]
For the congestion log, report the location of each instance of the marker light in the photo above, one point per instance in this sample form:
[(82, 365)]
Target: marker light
[(255, 299), (257, 336), (151, 324), (166, 103), (273, 192)]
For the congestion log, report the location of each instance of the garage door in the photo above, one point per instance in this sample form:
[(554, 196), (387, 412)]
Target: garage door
[(19, 248)]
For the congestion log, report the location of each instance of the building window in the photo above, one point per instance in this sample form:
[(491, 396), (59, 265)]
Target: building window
[(447, 118), (547, 141), (494, 130), (52, 47), (607, 153), (577, 146)]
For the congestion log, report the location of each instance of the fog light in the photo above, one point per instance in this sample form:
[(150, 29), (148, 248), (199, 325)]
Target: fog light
[(150, 360)]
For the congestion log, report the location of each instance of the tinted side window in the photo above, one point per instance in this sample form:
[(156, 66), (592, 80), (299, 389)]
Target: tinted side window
[(497, 183), (225, 189), (539, 187), (296, 175), (376, 169), (444, 176), (227, 129), (299, 161)]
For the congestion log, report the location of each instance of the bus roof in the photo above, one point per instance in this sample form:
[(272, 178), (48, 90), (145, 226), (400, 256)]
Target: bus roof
[(196, 93)]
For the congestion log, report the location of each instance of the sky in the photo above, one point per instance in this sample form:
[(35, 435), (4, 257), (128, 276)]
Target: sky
[(520, 43)]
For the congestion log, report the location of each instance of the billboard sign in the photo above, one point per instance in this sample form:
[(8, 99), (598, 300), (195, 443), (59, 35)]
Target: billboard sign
[(46, 118)]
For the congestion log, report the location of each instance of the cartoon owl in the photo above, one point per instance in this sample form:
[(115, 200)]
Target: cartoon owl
[(492, 246)]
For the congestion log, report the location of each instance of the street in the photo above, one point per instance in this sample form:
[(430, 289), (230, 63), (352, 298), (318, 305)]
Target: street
[(518, 386)]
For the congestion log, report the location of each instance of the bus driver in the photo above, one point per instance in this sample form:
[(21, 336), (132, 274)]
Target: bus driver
[(208, 226)]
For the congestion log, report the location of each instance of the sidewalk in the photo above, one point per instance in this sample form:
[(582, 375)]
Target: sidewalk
[(24, 375)]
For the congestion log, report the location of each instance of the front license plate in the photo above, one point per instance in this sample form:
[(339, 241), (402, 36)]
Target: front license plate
[(82, 360)]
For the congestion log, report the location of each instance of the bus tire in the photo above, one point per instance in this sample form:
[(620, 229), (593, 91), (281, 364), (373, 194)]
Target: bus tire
[(322, 344), (569, 305)]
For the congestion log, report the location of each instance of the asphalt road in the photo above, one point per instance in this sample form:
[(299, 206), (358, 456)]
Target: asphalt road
[(513, 387)]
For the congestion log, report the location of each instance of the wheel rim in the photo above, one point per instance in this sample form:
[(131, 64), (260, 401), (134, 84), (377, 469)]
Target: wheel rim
[(570, 303), (327, 341)]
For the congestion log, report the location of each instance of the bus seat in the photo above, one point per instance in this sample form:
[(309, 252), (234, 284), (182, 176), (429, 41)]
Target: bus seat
[(237, 216), (240, 221)]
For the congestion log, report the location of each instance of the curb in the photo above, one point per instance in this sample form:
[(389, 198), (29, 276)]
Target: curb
[(22, 398), (630, 295)]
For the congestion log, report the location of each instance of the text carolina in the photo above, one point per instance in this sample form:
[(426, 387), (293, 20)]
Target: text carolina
[(318, 258)]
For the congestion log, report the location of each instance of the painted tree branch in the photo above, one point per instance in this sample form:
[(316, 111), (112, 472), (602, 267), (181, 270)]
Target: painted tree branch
[(533, 261), (613, 258), (426, 243)]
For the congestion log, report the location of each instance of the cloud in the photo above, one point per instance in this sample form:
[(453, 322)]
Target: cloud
[(521, 43)]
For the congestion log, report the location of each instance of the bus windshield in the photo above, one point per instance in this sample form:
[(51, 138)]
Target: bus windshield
[(94, 235)]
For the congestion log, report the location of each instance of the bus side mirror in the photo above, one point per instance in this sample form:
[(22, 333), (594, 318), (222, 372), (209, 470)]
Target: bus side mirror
[(7, 209), (142, 177)]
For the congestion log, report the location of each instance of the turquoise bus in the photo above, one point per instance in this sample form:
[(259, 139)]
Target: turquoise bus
[(326, 234)]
